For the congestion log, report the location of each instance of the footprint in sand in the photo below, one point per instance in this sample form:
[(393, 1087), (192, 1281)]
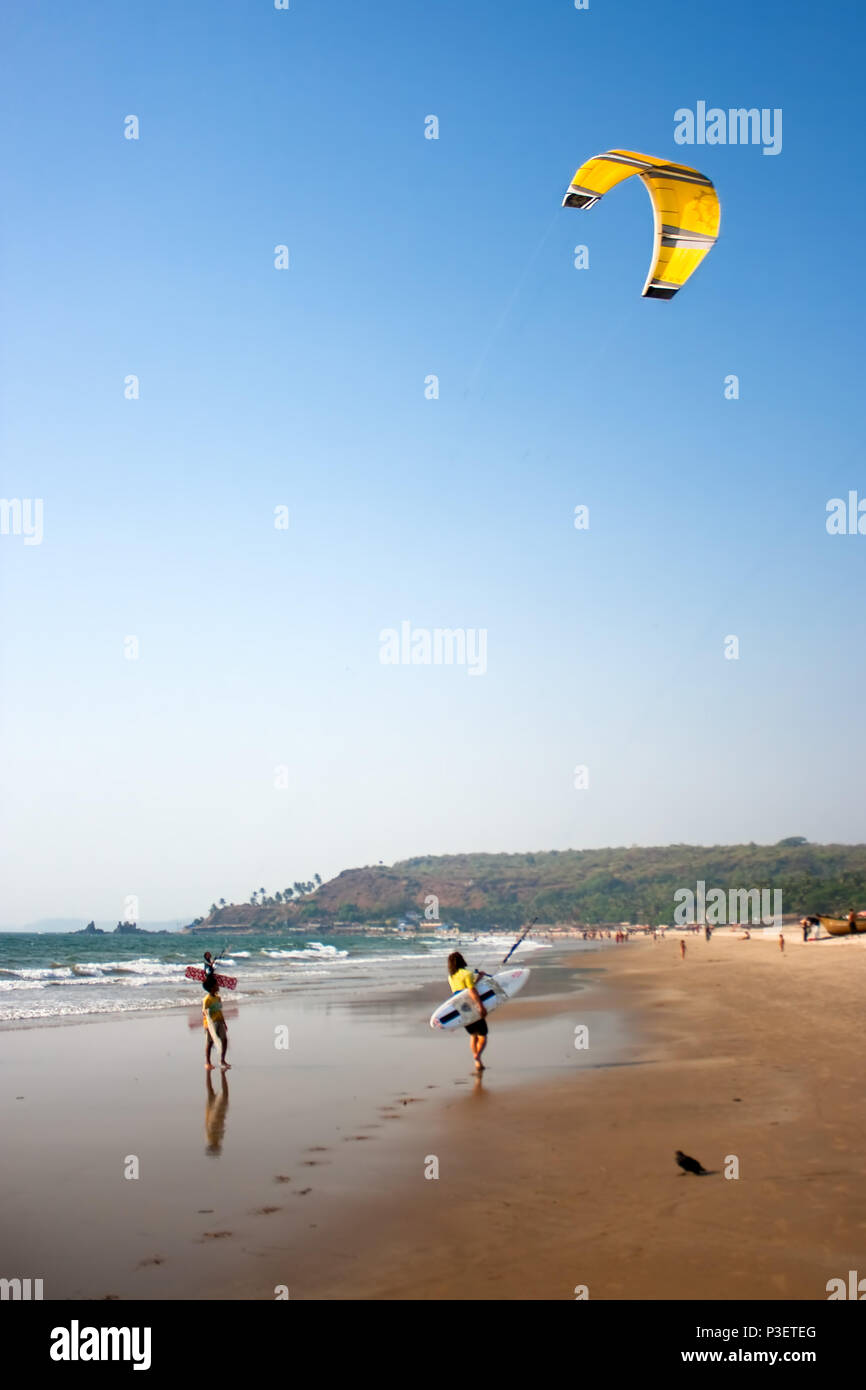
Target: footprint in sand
[(302, 1192), (152, 1260), (265, 1211), (316, 1149), (311, 1163), (205, 1211), (355, 1137), (410, 1100), (281, 1177), (216, 1235)]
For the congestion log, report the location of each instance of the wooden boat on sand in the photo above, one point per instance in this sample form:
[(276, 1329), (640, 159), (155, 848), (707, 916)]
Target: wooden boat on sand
[(840, 926)]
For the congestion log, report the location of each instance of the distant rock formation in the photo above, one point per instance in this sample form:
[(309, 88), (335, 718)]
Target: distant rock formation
[(122, 929)]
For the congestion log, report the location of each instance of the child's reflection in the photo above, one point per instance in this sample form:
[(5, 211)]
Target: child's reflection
[(215, 1113)]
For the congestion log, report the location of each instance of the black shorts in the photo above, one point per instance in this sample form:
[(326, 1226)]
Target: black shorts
[(479, 1027)]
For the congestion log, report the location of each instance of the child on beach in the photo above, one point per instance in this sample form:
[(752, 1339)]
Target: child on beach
[(461, 977), (214, 1023)]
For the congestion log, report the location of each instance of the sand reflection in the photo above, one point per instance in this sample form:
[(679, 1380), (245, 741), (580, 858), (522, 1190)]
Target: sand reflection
[(216, 1108)]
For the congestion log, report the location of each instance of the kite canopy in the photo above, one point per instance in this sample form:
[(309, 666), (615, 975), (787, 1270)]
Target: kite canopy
[(685, 206)]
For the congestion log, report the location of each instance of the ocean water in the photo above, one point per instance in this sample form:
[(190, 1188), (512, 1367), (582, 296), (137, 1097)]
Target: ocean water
[(53, 976)]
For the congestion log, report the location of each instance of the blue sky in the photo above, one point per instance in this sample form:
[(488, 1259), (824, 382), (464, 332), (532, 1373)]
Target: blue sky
[(260, 648)]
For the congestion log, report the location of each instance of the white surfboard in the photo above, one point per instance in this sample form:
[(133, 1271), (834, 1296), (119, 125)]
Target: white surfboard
[(212, 1029), (493, 990)]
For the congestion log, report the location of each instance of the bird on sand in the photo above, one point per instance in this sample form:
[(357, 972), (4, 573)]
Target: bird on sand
[(689, 1165)]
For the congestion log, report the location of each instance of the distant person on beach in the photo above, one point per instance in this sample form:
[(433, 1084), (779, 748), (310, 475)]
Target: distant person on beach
[(461, 977), (782, 942), (852, 922), (810, 925), (683, 950), (214, 1022)]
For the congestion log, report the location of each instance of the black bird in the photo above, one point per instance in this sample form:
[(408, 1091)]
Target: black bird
[(689, 1165)]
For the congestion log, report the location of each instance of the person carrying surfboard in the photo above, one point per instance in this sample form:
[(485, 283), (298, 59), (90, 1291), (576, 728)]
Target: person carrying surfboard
[(214, 1023), (461, 977)]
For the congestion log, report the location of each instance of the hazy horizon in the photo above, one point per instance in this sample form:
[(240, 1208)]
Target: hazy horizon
[(181, 920)]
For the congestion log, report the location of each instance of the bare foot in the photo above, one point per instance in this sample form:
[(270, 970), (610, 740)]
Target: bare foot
[(208, 1066), (225, 1066)]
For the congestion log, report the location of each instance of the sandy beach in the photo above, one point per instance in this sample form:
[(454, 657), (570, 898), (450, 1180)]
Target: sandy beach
[(312, 1168), (745, 1052)]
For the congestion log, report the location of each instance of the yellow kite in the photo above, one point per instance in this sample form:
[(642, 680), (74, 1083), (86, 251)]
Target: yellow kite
[(685, 206)]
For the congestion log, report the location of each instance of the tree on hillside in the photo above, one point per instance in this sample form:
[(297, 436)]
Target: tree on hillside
[(318, 879)]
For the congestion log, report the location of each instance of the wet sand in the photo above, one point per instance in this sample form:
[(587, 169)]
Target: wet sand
[(745, 1054), (240, 1177), (556, 1170)]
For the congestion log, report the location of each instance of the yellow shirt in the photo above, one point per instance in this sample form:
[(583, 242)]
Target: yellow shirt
[(462, 979), (212, 1008)]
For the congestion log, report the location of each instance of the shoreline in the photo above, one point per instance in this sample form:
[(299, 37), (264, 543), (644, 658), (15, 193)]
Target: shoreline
[(233, 1170), (54, 982), (573, 1184), (260, 987), (313, 1168)]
